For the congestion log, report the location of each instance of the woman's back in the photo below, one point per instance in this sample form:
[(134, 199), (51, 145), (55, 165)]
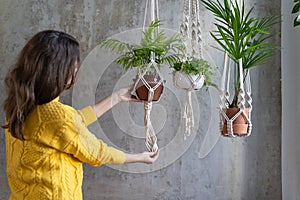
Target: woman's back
[(44, 171)]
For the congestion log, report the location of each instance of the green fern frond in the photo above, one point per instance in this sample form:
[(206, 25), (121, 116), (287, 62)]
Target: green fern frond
[(153, 43)]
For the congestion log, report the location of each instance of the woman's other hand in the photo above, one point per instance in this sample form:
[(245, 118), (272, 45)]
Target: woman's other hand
[(145, 157)]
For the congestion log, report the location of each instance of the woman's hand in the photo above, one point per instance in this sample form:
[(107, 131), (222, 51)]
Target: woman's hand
[(124, 95), (145, 157)]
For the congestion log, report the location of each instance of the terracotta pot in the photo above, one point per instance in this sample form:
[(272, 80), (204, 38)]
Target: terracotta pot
[(240, 125), (142, 91), (182, 81)]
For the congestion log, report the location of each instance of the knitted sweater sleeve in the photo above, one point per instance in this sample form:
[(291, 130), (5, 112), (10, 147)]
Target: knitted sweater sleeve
[(72, 136), (88, 115)]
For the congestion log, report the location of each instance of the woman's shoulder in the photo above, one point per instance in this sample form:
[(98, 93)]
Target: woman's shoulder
[(53, 114), (55, 110)]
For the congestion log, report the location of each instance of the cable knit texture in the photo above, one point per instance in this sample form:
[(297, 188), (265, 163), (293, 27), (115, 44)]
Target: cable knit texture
[(48, 164)]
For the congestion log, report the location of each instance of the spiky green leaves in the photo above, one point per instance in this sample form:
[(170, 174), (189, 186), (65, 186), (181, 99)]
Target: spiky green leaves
[(154, 44), (241, 35)]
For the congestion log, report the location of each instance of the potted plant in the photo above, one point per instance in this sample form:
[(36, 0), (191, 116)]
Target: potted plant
[(245, 40), (154, 50), (191, 74), (193, 70)]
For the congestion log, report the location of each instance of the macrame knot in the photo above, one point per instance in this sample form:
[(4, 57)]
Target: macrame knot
[(148, 105), (151, 140), (150, 94), (194, 85)]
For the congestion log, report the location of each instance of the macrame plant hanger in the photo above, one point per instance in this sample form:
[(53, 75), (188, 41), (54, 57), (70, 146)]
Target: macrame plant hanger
[(190, 31), (244, 97), (150, 138)]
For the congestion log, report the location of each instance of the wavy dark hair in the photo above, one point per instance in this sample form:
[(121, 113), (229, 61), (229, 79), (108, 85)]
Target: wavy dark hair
[(46, 66)]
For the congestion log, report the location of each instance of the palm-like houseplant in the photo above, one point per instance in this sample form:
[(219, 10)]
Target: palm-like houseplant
[(245, 40), (241, 36)]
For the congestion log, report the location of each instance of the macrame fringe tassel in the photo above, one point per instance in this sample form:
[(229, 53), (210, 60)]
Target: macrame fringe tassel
[(188, 114), (151, 140)]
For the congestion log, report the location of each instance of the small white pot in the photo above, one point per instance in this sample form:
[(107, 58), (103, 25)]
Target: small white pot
[(185, 81)]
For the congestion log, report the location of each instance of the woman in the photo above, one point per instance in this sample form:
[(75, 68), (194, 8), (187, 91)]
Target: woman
[(47, 141)]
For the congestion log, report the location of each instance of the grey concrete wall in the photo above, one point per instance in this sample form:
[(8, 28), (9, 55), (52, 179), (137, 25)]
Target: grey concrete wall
[(205, 166)]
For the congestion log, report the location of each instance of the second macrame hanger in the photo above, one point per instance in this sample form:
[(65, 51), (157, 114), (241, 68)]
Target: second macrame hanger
[(190, 31), (244, 96), (150, 138)]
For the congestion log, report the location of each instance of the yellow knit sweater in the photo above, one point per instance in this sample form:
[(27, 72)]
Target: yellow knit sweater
[(48, 164)]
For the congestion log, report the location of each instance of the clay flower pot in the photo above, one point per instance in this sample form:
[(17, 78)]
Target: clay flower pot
[(184, 81), (240, 124), (142, 90)]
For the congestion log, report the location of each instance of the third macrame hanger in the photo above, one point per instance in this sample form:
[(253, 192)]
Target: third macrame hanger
[(244, 97)]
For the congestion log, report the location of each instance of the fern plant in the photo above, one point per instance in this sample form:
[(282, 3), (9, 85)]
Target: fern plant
[(241, 36), (154, 44)]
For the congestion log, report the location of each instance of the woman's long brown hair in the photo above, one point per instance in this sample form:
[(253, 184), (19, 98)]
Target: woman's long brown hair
[(42, 72)]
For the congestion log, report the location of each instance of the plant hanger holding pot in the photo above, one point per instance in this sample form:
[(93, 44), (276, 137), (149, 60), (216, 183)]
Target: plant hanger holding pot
[(244, 41), (146, 89), (235, 121), (142, 83), (154, 50)]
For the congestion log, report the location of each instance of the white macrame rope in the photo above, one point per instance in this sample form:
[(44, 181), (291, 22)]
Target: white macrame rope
[(188, 114), (145, 15), (188, 108), (150, 139), (244, 97), (241, 95), (184, 27), (224, 97), (249, 100), (142, 73), (196, 39), (190, 31), (154, 14)]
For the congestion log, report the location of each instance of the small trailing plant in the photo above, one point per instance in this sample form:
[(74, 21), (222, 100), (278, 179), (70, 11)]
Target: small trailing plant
[(154, 44), (194, 66), (296, 10), (241, 36)]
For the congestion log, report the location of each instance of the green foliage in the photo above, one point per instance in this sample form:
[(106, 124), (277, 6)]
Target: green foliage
[(241, 35), (196, 66), (154, 42), (296, 10)]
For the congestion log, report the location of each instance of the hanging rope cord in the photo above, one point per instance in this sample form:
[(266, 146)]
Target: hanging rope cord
[(243, 98), (190, 31), (150, 138)]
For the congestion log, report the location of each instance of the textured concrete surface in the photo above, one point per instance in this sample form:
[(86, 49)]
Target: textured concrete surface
[(206, 166)]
